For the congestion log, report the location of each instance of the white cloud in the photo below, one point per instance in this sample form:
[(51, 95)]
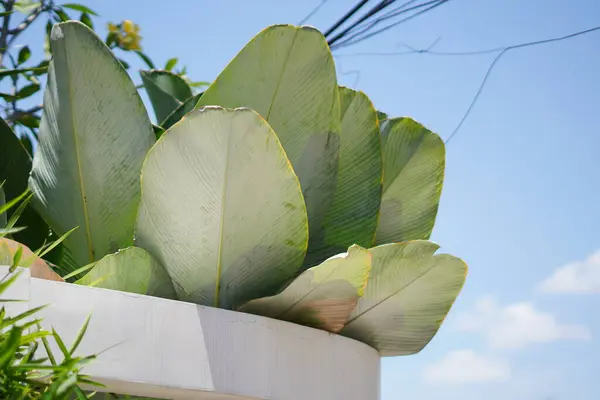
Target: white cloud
[(517, 325), (576, 277), (466, 366)]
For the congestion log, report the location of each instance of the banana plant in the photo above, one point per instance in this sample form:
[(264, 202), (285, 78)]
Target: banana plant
[(274, 192)]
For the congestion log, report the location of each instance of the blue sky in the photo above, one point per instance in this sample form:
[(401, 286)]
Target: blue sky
[(520, 199)]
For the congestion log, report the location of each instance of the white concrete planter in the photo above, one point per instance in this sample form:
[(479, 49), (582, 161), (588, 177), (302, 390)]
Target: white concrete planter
[(174, 350)]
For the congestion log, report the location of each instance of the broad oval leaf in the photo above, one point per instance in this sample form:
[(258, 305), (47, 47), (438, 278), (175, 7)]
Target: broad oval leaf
[(413, 175), (352, 218), (287, 75), (221, 208), (93, 138), (15, 166), (27, 259), (321, 297), (408, 295), (131, 270), (166, 90)]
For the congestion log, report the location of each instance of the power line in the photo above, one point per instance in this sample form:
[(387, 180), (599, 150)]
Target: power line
[(356, 37), (313, 12), (502, 52)]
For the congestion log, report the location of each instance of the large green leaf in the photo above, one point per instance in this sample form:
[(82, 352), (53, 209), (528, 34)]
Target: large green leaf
[(131, 270), (413, 175), (15, 166), (352, 218), (408, 295), (221, 208), (93, 138), (166, 90), (287, 75), (321, 297), (180, 111)]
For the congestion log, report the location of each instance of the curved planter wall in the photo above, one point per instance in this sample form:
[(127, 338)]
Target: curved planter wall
[(170, 349)]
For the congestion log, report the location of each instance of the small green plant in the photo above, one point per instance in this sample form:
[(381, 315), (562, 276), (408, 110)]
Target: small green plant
[(23, 374), (274, 192)]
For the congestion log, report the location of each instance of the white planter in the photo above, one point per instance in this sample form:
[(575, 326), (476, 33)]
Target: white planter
[(174, 350)]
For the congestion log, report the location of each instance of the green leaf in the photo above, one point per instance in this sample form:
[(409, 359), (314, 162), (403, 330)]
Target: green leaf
[(158, 130), (85, 18), (170, 64), (10, 346), (26, 6), (381, 116), (28, 90), (287, 75), (145, 58), (93, 138), (124, 63), (131, 270), (321, 297), (166, 91), (224, 236), (3, 218), (408, 295), (24, 54), (26, 142), (413, 175), (352, 218), (80, 335), (80, 8), (61, 15), (28, 120), (15, 166), (17, 71), (180, 111)]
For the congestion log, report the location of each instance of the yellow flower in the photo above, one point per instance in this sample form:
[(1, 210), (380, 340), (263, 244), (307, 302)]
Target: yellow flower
[(126, 35), (130, 28)]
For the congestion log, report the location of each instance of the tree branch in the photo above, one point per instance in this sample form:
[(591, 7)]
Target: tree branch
[(28, 21), (4, 32)]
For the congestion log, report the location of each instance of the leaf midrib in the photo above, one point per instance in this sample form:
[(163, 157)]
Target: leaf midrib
[(222, 220), (77, 156), (394, 293)]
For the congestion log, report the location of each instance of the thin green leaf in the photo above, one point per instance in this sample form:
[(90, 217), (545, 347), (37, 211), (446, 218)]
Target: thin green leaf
[(48, 349), (80, 335), (61, 345), (56, 242), (28, 90), (17, 71), (80, 8), (146, 59), (9, 346), (85, 18), (79, 271), (11, 231), (170, 64)]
